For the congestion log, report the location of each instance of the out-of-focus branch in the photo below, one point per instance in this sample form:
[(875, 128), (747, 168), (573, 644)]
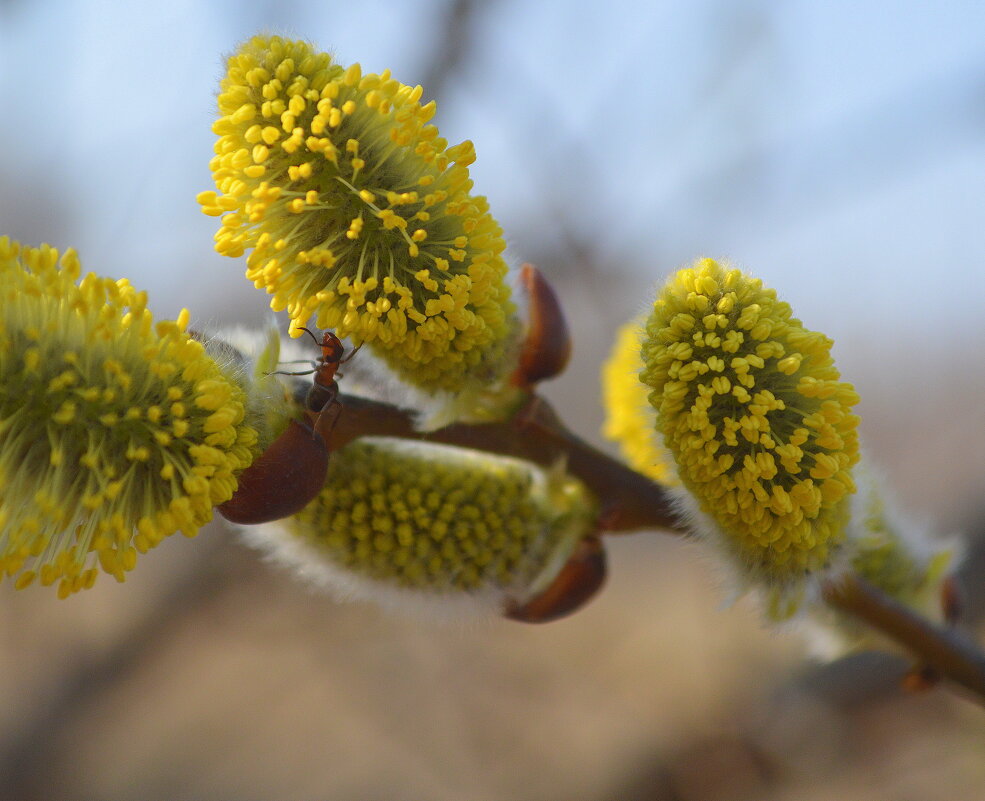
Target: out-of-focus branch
[(26, 759), (944, 650), (452, 46)]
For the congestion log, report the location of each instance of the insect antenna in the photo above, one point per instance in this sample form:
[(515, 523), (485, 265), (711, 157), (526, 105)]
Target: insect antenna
[(284, 372), (316, 340), (352, 353)]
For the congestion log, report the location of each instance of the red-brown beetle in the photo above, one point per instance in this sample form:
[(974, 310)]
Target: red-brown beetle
[(291, 472)]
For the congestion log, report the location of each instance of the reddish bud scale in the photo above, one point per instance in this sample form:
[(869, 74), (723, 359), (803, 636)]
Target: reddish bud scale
[(291, 472), (546, 348), (579, 580), (282, 480), (952, 600), (920, 679)]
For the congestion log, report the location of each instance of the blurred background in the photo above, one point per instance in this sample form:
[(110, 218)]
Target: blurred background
[(836, 150)]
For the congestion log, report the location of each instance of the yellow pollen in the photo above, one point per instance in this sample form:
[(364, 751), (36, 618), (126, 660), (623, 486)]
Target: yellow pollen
[(742, 411), (279, 179), (71, 495)]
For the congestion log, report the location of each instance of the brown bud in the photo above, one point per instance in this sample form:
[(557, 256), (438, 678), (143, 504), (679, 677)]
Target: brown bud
[(920, 679), (952, 600), (547, 346), (581, 577), (283, 479)]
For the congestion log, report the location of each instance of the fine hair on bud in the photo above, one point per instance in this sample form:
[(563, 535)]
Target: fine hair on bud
[(440, 530), (891, 550)]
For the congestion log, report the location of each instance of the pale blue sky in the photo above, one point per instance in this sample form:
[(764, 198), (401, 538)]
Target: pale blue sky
[(836, 149)]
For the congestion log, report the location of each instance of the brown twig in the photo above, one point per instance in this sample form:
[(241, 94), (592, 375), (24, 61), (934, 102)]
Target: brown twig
[(633, 502), (945, 650)]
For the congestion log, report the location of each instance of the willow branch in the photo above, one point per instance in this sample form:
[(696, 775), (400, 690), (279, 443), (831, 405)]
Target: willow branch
[(630, 501), (633, 502), (945, 650)]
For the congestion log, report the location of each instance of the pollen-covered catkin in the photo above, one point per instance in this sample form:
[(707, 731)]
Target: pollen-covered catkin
[(406, 522), (353, 209), (628, 414), (759, 424), (114, 432)]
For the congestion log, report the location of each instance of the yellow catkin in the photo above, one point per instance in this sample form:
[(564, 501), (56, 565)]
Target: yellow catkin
[(760, 426), (628, 415), (353, 209), (443, 519), (114, 432)]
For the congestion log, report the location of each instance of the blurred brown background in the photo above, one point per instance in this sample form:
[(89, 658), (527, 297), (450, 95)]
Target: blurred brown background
[(838, 152)]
